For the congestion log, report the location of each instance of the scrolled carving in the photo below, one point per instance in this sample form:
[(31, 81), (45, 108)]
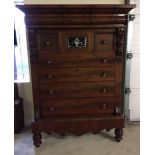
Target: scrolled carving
[(32, 45), (120, 42), (117, 110), (36, 114)]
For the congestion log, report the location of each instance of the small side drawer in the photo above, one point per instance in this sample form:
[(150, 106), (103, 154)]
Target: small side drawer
[(76, 107), (103, 41), (47, 43)]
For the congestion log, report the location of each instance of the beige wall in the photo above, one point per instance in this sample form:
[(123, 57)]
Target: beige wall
[(73, 1), (25, 89)]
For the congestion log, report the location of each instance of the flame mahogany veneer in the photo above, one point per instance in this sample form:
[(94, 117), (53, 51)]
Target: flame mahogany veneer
[(77, 55)]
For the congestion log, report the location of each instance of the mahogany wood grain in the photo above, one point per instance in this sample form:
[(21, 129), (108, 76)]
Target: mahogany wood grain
[(78, 86)]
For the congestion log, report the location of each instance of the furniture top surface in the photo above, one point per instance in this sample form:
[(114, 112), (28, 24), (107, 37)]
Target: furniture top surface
[(83, 8)]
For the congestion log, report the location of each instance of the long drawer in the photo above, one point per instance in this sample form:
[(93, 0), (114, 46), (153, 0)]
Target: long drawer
[(78, 74), (77, 106), (78, 59), (76, 90)]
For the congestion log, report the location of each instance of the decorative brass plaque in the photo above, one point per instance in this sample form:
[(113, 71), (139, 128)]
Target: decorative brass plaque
[(76, 42)]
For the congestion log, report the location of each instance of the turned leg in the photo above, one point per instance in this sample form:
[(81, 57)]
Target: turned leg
[(118, 134), (37, 139)]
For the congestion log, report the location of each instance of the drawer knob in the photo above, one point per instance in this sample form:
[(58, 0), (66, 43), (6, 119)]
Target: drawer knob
[(51, 91), (48, 43), (49, 62), (50, 76), (103, 74), (103, 90), (52, 109), (103, 60), (103, 106), (103, 42)]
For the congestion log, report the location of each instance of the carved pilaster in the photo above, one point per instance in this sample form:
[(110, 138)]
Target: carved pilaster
[(32, 45), (36, 114), (120, 43)]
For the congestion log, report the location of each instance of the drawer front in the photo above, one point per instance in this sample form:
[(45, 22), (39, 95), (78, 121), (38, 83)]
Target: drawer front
[(103, 41), (75, 90), (78, 59), (77, 74), (76, 106), (47, 43)]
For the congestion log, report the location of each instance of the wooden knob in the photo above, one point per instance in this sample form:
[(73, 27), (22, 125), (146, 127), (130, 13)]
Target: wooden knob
[(103, 106), (103, 74), (51, 91), (103, 60), (49, 62), (103, 90), (48, 43), (52, 109), (50, 76), (103, 42)]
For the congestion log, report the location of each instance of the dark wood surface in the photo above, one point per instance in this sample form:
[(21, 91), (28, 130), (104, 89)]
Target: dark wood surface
[(76, 9), (80, 89)]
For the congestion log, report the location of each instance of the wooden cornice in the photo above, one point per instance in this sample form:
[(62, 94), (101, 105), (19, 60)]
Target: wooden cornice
[(77, 9), (76, 15)]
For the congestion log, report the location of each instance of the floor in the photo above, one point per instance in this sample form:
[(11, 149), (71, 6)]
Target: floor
[(87, 144)]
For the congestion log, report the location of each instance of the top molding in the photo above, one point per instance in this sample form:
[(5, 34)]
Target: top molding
[(77, 9)]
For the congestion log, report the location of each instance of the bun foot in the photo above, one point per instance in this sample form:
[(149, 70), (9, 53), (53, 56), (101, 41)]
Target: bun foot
[(118, 134), (37, 139)]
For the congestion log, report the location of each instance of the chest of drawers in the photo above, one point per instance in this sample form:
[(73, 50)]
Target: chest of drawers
[(77, 55)]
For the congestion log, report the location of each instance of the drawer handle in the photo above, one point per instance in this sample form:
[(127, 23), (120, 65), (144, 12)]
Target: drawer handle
[(103, 60), (50, 76), (51, 91), (51, 109), (103, 106), (103, 42), (49, 62), (103, 90), (48, 43), (103, 74)]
